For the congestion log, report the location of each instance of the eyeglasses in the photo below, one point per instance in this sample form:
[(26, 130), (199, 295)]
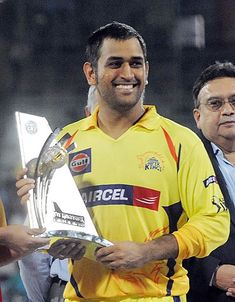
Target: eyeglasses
[(218, 104)]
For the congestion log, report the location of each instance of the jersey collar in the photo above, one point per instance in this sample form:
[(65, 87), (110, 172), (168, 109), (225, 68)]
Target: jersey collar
[(150, 120)]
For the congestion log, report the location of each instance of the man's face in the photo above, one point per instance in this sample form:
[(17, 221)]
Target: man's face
[(219, 125), (121, 73)]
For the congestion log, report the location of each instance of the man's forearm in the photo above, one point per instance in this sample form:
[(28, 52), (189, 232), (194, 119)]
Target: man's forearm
[(162, 248)]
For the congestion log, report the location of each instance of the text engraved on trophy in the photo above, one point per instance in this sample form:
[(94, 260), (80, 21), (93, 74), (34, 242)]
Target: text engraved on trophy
[(68, 218)]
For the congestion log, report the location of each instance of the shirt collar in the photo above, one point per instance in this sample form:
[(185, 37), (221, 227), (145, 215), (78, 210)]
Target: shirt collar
[(148, 120), (216, 149), (219, 153), (91, 121)]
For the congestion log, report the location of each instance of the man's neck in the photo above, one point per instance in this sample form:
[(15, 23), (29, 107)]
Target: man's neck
[(230, 156), (115, 123), (228, 149)]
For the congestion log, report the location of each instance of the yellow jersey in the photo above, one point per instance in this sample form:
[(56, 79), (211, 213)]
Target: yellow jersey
[(153, 180)]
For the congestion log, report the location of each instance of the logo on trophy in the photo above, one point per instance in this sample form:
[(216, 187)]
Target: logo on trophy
[(55, 202)]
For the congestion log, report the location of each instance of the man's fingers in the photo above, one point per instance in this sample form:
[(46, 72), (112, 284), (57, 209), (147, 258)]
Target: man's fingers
[(59, 243), (25, 198), (24, 191), (24, 185), (68, 248), (24, 182), (231, 292), (77, 254), (75, 250), (21, 173)]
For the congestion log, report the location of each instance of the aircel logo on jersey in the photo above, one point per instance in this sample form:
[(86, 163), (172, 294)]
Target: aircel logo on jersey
[(211, 179), (80, 162), (121, 194)]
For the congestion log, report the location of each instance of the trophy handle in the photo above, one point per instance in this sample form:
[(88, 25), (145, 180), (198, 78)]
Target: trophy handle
[(42, 181), (45, 147)]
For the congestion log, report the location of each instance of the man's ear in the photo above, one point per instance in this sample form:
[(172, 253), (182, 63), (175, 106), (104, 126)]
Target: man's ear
[(197, 115), (89, 73)]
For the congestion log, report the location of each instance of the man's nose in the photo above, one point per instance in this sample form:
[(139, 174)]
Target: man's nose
[(126, 71)]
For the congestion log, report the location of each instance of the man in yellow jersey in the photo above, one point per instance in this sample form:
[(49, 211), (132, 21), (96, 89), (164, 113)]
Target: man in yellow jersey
[(147, 182)]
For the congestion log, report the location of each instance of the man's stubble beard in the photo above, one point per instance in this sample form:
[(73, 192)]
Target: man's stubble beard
[(118, 104)]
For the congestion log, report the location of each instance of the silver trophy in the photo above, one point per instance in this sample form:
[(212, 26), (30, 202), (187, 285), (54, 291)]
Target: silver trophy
[(55, 202)]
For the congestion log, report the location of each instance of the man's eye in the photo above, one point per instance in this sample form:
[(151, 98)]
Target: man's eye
[(232, 101), (115, 64), (215, 103), (136, 64)]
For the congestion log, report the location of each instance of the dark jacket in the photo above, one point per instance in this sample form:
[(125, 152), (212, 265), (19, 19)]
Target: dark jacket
[(201, 270)]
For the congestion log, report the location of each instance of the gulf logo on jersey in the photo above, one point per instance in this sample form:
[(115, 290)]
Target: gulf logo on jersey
[(80, 162)]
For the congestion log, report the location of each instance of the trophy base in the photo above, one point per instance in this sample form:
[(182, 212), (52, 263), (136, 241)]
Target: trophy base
[(80, 236)]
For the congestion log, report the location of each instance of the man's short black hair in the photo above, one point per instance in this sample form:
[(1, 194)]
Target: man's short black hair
[(217, 70), (114, 30)]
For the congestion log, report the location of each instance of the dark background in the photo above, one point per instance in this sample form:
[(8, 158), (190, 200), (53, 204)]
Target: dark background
[(42, 47)]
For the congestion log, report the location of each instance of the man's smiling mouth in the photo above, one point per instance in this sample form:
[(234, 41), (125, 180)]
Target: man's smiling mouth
[(126, 86)]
